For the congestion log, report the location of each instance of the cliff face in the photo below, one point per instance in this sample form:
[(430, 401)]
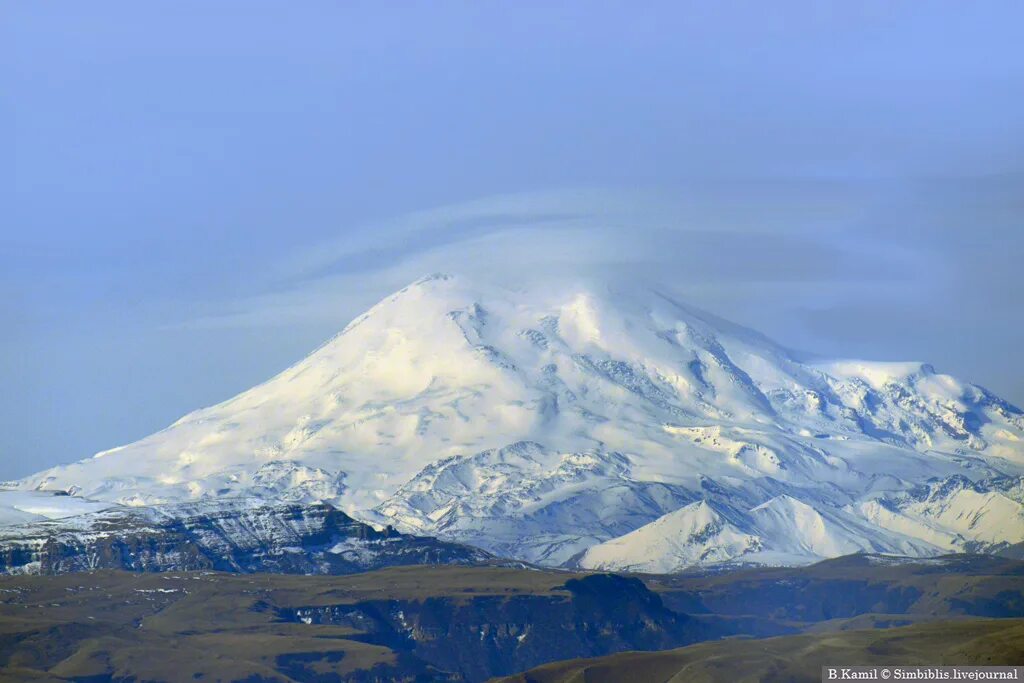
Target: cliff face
[(463, 624), (235, 536), (493, 635)]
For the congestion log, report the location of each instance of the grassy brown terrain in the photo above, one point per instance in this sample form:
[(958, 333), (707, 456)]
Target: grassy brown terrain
[(977, 642), (845, 587), (451, 623), (212, 626)]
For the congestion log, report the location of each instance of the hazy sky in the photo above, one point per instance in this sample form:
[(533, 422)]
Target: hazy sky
[(194, 195)]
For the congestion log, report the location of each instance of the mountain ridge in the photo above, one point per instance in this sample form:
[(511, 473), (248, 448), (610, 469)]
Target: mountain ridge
[(234, 535)]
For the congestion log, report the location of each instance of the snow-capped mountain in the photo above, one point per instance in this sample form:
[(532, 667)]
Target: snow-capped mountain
[(595, 425)]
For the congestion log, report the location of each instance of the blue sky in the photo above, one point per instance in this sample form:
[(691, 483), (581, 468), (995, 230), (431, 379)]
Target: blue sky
[(195, 194)]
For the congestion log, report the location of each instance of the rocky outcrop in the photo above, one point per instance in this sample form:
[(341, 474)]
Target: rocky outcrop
[(227, 535), (496, 635)]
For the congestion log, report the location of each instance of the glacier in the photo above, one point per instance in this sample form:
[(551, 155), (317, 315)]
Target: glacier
[(602, 426)]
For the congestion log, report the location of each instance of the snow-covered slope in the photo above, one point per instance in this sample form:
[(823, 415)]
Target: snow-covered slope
[(542, 422), (780, 531), (697, 533), (17, 507)]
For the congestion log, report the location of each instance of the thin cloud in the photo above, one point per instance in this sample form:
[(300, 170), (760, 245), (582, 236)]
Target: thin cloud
[(704, 246)]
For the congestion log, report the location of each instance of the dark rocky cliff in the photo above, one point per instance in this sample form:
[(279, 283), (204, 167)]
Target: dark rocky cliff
[(479, 637), (235, 536)]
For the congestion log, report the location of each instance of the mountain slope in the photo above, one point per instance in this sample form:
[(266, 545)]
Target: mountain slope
[(17, 507), (539, 423), (801, 658), (781, 531), (695, 534)]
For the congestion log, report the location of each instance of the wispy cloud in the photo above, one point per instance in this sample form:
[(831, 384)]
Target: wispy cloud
[(732, 248)]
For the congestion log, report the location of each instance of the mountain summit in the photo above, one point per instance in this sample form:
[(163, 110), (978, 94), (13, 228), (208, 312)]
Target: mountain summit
[(586, 425)]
